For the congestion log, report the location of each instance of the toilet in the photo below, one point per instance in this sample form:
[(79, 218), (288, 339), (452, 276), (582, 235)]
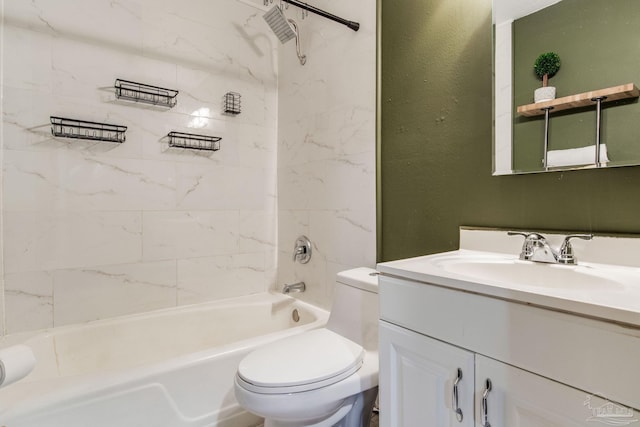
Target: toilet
[(324, 377)]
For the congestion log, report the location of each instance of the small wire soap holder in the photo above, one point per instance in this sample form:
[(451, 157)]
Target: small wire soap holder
[(148, 94), (82, 129), (232, 103), (193, 141)]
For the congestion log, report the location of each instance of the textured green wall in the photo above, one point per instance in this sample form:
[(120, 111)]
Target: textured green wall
[(436, 135), (597, 41)]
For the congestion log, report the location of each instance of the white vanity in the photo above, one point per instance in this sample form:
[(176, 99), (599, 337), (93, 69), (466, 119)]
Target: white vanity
[(477, 337)]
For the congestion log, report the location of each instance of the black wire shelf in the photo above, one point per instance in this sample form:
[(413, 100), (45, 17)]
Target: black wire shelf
[(193, 141), (81, 129), (232, 103), (147, 94)]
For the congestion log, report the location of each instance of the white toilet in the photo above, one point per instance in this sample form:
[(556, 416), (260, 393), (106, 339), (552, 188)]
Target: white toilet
[(323, 377)]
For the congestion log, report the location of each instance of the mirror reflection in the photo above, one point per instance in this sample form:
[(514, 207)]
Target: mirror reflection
[(596, 42)]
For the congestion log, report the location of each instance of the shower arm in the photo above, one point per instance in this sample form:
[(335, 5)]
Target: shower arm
[(351, 24)]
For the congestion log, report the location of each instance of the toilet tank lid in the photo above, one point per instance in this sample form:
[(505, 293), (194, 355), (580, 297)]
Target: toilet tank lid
[(362, 277)]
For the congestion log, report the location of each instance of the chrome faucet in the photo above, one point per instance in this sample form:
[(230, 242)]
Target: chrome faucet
[(295, 287), (536, 248)]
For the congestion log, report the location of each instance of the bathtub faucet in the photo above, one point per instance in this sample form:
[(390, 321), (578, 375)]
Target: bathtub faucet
[(296, 287)]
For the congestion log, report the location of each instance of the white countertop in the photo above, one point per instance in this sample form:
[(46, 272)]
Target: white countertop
[(617, 300)]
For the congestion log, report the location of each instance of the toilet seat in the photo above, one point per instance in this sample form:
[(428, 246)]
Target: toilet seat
[(302, 362)]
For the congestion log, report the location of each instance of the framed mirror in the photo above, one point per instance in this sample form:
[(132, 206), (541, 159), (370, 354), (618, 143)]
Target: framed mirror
[(599, 49)]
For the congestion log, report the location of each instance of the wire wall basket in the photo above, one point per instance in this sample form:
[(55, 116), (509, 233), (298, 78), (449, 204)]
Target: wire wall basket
[(148, 94), (232, 103), (194, 142), (81, 129)]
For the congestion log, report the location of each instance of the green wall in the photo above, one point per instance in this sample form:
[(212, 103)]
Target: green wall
[(435, 142), (597, 41)]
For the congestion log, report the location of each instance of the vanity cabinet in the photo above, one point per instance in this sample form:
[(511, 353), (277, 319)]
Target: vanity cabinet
[(546, 368), (521, 399), (418, 380)]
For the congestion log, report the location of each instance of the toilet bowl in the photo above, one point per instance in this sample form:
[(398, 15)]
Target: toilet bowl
[(323, 377)]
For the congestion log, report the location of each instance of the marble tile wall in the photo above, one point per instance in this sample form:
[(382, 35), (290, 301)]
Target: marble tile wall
[(93, 230), (326, 147)]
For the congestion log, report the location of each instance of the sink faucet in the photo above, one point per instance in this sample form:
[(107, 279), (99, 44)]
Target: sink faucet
[(536, 248), (295, 287)]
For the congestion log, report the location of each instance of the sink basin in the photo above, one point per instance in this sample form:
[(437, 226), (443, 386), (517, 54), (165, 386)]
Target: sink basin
[(509, 271), (605, 284)]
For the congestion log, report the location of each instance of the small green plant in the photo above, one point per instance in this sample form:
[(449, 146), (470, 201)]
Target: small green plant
[(546, 66)]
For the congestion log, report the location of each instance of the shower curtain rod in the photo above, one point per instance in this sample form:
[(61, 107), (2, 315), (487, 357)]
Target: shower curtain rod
[(351, 24)]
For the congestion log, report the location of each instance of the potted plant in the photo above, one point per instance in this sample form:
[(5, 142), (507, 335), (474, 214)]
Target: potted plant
[(546, 66)]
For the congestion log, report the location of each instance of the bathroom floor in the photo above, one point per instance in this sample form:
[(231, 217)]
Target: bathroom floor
[(373, 423)]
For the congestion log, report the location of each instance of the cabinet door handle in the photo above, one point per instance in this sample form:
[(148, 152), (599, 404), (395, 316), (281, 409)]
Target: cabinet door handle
[(484, 407), (454, 397)]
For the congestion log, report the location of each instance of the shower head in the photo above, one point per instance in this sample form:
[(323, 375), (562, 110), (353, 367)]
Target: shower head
[(279, 24)]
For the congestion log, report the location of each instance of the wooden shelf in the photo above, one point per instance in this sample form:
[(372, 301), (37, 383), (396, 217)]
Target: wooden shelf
[(614, 93)]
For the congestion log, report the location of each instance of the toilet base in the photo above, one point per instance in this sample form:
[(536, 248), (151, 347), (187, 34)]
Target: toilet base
[(356, 414), (360, 414)]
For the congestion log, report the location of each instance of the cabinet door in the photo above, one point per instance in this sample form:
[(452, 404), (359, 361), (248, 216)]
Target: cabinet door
[(417, 377), (521, 399)]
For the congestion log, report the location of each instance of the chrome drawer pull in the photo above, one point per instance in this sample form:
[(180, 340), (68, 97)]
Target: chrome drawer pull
[(454, 397), (484, 407)]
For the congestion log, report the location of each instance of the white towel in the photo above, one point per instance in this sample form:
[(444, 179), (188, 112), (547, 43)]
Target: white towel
[(576, 156), (16, 362)]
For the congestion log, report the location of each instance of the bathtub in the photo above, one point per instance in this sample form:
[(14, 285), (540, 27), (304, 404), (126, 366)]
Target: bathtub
[(167, 368)]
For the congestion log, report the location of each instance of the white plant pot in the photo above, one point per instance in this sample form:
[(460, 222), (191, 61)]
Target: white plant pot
[(544, 94)]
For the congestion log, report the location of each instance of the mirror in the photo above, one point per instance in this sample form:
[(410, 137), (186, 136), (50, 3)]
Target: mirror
[(597, 41)]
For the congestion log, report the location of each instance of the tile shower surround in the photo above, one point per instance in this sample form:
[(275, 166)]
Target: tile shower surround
[(94, 230), (326, 148)]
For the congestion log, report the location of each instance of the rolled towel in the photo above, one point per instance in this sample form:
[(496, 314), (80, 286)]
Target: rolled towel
[(16, 362), (576, 156)]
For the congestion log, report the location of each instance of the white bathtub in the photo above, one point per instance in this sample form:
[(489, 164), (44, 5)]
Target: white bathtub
[(167, 368)]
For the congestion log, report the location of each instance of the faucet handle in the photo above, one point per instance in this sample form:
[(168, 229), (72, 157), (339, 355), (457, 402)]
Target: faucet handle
[(565, 255), (527, 235), (302, 250), (517, 233), (531, 240)]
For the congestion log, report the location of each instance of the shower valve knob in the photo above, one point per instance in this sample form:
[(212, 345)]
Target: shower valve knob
[(302, 250)]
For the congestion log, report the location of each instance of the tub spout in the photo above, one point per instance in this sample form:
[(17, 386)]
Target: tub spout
[(296, 287)]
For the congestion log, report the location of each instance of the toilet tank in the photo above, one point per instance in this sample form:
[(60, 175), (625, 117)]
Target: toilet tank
[(354, 313)]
